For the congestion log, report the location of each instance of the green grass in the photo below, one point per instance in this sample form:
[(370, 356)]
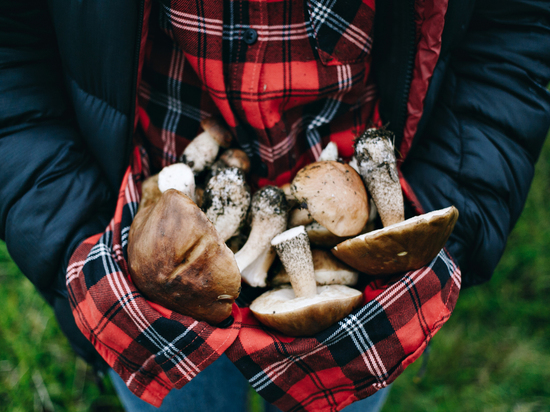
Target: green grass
[(492, 355)]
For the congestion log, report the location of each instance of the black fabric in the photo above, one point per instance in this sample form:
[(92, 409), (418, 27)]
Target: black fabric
[(52, 192), (484, 127)]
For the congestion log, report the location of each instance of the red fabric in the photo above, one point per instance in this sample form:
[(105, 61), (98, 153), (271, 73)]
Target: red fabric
[(155, 350), (430, 21), (303, 82)]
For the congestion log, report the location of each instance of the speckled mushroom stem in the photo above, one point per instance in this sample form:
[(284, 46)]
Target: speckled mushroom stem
[(269, 212), (377, 166), (226, 201), (294, 250)]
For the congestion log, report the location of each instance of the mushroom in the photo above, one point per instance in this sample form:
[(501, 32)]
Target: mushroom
[(334, 195), (330, 152), (177, 259), (150, 192), (299, 217), (401, 245), (303, 309), (269, 212), (236, 158), (178, 176), (226, 200), (203, 149), (328, 271)]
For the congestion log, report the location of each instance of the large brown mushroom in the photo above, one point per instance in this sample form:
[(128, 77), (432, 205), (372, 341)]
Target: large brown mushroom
[(177, 259), (303, 309), (402, 245)]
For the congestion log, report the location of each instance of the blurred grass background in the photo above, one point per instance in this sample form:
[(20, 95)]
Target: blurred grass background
[(492, 355)]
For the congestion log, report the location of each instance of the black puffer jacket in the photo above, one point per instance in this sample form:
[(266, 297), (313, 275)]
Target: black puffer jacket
[(68, 76)]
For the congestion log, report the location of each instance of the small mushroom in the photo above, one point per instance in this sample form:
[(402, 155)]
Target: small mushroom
[(269, 212), (334, 195), (303, 309), (203, 149), (328, 271), (178, 176), (402, 245), (236, 158), (177, 259), (226, 201)]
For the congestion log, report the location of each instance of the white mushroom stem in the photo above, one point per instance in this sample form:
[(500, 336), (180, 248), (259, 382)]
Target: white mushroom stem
[(201, 152), (294, 250), (377, 166), (330, 152), (226, 201), (178, 176), (269, 213)]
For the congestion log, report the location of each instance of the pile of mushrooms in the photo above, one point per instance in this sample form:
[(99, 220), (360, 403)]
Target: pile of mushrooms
[(320, 226)]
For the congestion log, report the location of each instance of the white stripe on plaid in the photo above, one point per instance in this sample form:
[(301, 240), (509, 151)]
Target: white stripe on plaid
[(322, 14), (353, 327), (169, 102)]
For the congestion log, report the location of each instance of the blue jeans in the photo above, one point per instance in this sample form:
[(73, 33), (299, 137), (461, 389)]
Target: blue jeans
[(220, 387)]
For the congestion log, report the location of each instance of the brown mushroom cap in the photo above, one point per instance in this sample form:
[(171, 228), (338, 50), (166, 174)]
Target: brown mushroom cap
[(177, 259), (401, 247), (236, 158), (335, 196), (282, 311)]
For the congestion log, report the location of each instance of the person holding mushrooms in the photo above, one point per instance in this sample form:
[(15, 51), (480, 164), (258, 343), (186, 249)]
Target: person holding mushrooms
[(97, 96)]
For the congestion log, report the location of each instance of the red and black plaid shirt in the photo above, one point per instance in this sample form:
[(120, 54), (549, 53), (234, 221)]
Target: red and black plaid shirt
[(312, 59), (286, 76)]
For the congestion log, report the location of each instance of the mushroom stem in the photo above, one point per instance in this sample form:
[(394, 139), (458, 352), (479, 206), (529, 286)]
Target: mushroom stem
[(294, 250), (203, 149), (269, 212), (377, 166), (226, 201)]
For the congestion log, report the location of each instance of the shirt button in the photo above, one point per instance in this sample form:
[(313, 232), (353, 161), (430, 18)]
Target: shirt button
[(250, 36)]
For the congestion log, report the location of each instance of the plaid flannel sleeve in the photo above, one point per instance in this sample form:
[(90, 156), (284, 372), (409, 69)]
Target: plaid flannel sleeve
[(154, 349)]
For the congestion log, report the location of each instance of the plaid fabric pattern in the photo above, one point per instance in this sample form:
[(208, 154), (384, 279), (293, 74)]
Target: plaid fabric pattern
[(303, 82), (154, 349)]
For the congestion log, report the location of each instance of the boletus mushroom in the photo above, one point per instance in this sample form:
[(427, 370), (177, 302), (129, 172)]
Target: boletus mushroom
[(334, 195), (177, 259), (402, 245), (203, 149), (303, 309)]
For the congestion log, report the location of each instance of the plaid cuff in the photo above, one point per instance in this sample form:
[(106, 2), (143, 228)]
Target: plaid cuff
[(154, 349)]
